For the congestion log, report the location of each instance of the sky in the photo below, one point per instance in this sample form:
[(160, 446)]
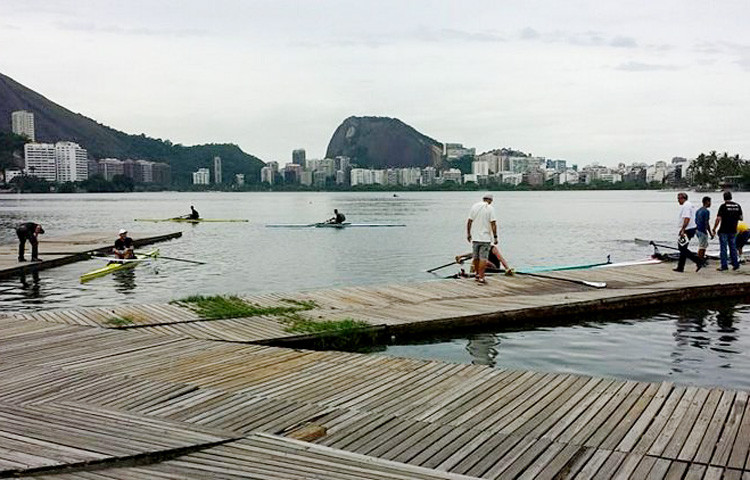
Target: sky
[(581, 80)]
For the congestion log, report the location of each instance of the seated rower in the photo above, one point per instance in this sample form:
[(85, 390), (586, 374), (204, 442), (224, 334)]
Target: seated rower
[(494, 261), (194, 215), (339, 218), (124, 245), (743, 234)]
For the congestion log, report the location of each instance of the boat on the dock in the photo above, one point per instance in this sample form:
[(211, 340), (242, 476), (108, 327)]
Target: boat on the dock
[(333, 225), (115, 265), (193, 220)]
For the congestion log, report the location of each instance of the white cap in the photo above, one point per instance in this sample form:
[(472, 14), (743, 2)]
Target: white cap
[(122, 230), (488, 196)]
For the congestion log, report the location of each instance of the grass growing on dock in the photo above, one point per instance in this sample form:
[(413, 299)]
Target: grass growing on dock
[(120, 321), (299, 324), (231, 306)]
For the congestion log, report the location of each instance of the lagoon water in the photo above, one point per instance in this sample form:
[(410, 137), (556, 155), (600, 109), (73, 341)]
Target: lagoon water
[(692, 345)]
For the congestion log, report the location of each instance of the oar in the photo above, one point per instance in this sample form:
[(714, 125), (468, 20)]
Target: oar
[(179, 259), (662, 246), (579, 282), (441, 266)]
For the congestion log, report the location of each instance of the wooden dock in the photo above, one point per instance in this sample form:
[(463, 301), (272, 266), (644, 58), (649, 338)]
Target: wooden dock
[(86, 402), (82, 396), (428, 307), (62, 250)]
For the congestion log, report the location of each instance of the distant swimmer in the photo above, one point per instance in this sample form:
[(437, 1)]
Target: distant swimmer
[(29, 231), (124, 245), (337, 218)]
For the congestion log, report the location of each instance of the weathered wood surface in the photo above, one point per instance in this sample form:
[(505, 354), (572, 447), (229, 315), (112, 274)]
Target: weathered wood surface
[(461, 419), (62, 250), (431, 306)]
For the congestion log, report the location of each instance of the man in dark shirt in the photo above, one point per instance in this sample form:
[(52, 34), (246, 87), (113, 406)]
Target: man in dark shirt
[(29, 231), (729, 214), (338, 218), (124, 245), (703, 229), (194, 215)]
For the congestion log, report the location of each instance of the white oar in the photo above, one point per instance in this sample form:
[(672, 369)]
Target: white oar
[(580, 282)]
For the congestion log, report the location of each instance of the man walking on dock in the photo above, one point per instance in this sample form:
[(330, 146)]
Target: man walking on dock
[(687, 232), (729, 214), (481, 231)]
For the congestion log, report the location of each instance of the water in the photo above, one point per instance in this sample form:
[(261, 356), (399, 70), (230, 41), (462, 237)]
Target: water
[(536, 228), (704, 345)]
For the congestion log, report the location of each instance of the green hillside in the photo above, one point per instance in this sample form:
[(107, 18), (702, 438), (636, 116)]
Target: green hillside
[(54, 123)]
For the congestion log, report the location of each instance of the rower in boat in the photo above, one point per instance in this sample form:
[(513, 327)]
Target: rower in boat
[(337, 219), (194, 215), (495, 260), (124, 245)]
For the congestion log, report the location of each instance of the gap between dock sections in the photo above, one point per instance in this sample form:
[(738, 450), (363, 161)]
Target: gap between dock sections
[(30, 267)]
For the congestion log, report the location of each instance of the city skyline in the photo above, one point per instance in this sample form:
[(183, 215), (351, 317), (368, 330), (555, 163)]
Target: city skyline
[(582, 81)]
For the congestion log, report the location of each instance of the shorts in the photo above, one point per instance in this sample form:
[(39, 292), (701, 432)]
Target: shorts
[(702, 240), (480, 250), (741, 239)]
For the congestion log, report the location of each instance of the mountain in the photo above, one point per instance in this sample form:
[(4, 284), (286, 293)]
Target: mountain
[(381, 142), (54, 123)]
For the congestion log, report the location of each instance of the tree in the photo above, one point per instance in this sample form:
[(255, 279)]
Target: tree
[(9, 143)]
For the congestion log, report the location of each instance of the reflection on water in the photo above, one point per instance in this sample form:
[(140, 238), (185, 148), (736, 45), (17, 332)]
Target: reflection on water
[(705, 344)]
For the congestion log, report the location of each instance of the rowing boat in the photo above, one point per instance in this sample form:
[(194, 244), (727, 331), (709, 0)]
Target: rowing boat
[(116, 264), (333, 225), (192, 220)]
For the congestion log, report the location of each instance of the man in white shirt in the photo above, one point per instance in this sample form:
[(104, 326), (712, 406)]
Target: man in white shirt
[(687, 231), (481, 232)]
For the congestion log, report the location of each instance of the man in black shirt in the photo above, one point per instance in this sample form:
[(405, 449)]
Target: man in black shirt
[(124, 245), (29, 231), (338, 218), (193, 213), (729, 214)]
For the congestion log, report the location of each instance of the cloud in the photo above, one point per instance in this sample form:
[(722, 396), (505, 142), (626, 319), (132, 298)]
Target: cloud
[(645, 67), (445, 35), (623, 42), (529, 33), (581, 39), (139, 31)]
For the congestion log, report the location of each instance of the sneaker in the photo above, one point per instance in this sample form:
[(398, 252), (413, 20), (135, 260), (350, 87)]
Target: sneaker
[(736, 268), (480, 281), (510, 272)]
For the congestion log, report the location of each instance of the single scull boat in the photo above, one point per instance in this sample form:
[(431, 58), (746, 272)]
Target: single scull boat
[(117, 264), (333, 225), (191, 220)]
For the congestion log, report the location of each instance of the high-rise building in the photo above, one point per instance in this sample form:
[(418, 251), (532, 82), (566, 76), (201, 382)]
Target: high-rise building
[(40, 160), (109, 167), (292, 173), (266, 175), (217, 169), (72, 162), (162, 173), (298, 156), (22, 123), (202, 176)]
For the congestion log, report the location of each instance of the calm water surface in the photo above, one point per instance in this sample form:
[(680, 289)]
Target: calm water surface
[(536, 228)]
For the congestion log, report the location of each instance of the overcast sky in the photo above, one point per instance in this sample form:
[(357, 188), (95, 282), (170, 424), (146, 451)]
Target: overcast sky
[(582, 80)]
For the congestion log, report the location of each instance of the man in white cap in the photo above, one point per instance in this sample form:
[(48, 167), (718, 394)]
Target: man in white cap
[(481, 232), (124, 245)]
